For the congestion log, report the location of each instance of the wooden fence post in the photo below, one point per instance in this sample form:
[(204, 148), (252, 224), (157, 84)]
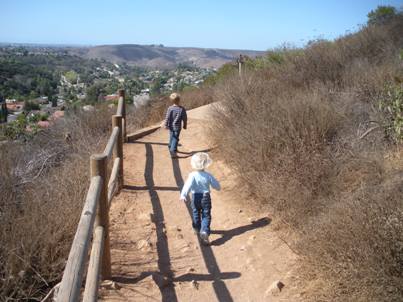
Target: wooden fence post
[(118, 149), (99, 168), (122, 95), (240, 63)]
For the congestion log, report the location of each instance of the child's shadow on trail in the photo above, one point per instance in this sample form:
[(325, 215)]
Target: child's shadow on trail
[(191, 153), (229, 234)]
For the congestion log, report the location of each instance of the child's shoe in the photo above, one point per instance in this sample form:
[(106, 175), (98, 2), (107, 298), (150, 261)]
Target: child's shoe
[(204, 238)]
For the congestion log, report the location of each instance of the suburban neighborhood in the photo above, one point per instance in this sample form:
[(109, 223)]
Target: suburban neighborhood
[(56, 80)]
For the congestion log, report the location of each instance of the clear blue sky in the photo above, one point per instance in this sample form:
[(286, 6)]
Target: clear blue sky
[(253, 24)]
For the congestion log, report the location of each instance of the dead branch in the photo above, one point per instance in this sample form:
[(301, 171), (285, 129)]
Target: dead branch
[(34, 270), (369, 131), (54, 289), (41, 169)]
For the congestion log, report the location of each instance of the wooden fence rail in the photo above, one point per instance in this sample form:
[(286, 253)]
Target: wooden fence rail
[(112, 141), (95, 217)]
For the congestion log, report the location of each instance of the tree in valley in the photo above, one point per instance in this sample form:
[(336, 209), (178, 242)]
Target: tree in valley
[(94, 92), (71, 76)]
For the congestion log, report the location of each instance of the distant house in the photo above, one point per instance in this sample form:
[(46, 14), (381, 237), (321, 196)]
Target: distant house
[(11, 118), (43, 124), (41, 100), (111, 97), (81, 96), (17, 106), (58, 114)]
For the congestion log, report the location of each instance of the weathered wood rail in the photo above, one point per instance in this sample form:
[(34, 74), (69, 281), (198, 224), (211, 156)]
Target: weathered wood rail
[(94, 220)]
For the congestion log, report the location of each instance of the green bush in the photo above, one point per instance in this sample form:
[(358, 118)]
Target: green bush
[(29, 106), (23, 127), (381, 15), (271, 59), (16, 129), (71, 76), (44, 117), (392, 105), (38, 117), (222, 73)]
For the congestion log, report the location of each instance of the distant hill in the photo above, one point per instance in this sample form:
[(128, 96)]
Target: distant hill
[(158, 56)]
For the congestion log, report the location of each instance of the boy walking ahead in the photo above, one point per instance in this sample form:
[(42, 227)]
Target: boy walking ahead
[(173, 121), (199, 182)]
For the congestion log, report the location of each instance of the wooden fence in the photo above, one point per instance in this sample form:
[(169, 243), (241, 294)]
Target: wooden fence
[(94, 220)]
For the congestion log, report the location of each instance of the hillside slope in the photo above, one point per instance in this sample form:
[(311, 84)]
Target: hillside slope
[(315, 134), (154, 56)]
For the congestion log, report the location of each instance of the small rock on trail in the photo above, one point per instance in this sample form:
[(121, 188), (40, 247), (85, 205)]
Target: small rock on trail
[(109, 284), (274, 289), (194, 284), (143, 244)]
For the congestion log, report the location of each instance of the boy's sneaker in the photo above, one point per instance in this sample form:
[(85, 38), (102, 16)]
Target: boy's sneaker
[(204, 238)]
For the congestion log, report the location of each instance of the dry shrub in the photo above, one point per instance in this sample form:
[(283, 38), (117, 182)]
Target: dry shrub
[(43, 186), (148, 114), (196, 97), (41, 199), (298, 134), (276, 143), (154, 111), (358, 241)]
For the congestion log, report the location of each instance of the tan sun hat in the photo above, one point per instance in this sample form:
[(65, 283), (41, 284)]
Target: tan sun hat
[(200, 161)]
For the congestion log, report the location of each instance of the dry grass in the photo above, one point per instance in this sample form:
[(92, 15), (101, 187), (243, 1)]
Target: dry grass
[(43, 187), (44, 183), (294, 132), (154, 111)]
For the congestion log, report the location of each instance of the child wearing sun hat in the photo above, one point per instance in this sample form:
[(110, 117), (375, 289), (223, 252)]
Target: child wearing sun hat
[(199, 183)]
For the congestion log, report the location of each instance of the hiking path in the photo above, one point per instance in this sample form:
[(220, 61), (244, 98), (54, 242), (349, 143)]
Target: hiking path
[(155, 254)]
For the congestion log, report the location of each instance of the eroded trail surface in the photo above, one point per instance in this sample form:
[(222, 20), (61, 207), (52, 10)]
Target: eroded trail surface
[(155, 254)]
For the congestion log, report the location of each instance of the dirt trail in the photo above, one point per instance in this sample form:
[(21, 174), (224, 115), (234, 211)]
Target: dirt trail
[(156, 256)]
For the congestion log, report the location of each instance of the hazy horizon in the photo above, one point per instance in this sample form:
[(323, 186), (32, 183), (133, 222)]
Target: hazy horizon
[(253, 25), (95, 45)]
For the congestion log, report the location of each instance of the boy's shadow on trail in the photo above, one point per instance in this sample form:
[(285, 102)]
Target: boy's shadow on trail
[(229, 234), (184, 154)]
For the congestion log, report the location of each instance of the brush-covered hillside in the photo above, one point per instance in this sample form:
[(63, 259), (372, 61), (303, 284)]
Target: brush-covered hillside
[(158, 56), (315, 134)]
